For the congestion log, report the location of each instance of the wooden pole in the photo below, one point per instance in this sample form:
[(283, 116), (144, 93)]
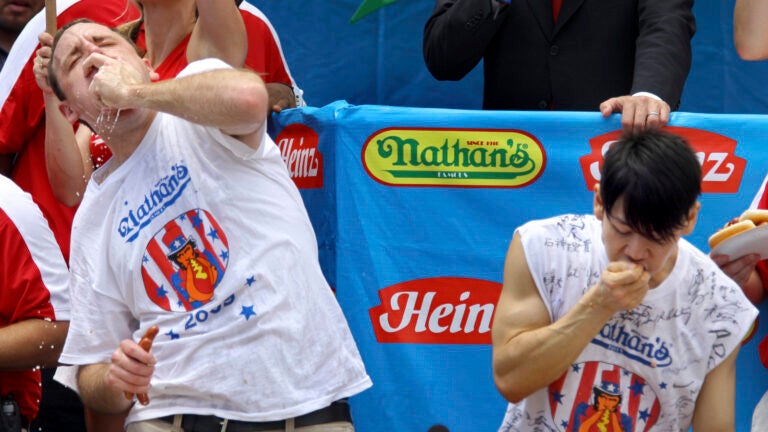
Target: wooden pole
[(50, 17)]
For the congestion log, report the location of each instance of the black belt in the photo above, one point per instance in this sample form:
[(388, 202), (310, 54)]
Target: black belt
[(335, 412)]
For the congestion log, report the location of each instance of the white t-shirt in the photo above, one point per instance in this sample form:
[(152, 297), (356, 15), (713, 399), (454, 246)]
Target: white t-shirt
[(654, 357), (249, 328)]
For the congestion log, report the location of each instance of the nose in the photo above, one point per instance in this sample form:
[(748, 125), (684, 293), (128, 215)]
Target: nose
[(90, 48), (636, 248)]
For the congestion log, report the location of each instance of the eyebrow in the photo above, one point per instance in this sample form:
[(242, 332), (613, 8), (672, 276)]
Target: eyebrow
[(611, 220)]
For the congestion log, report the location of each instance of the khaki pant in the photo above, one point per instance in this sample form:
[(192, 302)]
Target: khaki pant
[(161, 426)]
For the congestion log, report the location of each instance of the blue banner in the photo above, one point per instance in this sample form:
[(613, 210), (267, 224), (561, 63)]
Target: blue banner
[(414, 209)]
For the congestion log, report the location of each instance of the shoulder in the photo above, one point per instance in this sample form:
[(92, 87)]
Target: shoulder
[(17, 204)]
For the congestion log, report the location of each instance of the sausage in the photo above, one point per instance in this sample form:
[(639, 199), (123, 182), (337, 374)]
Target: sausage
[(145, 343)]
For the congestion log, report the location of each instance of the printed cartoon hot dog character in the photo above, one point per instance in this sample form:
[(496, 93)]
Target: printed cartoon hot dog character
[(196, 277), (604, 414)]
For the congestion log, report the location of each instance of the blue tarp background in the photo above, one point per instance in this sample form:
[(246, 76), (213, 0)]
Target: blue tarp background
[(378, 238), (378, 60)]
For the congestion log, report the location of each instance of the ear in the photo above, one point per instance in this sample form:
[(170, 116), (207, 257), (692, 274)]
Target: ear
[(70, 115), (690, 222), (597, 204)]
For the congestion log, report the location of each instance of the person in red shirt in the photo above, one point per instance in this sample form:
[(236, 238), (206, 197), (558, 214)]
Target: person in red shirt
[(34, 301)]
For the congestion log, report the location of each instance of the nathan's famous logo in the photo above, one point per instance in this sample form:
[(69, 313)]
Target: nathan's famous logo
[(453, 157), (163, 193), (597, 396), (448, 310), (185, 261), (633, 345), (299, 148), (722, 170)]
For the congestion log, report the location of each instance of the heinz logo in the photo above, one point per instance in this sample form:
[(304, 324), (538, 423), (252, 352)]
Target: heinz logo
[(453, 157), (722, 170), (299, 148), (449, 310)]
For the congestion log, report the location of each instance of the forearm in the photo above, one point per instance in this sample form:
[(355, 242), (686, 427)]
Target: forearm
[(229, 99), (68, 168), (663, 53), (451, 46), (32, 343), (219, 32), (535, 358), (97, 394), (750, 33)]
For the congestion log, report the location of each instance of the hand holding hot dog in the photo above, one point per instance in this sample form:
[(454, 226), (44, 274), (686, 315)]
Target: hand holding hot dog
[(622, 286), (132, 366)]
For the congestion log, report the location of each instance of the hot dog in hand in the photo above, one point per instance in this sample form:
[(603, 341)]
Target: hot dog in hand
[(747, 221), (145, 343)]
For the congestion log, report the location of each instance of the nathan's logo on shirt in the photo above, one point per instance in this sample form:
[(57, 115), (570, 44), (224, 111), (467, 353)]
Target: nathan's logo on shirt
[(449, 310), (163, 194), (185, 261), (299, 148), (722, 170), (453, 157), (597, 396), (633, 345)]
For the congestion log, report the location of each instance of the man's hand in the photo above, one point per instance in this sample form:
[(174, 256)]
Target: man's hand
[(622, 286), (42, 58), (113, 80), (638, 113), (280, 97), (131, 368)]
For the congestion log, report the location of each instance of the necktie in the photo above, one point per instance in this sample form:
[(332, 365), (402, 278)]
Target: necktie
[(556, 4)]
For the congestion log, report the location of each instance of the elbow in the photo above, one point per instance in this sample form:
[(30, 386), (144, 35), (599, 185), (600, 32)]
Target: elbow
[(250, 99), (750, 52), (749, 46), (511, 392), (513, 389)]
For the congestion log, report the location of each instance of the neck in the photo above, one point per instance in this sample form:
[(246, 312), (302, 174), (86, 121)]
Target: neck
[(166, 24), (123, 141)]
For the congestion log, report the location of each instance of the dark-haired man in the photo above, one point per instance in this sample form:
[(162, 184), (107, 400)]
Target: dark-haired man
[(618, 299)]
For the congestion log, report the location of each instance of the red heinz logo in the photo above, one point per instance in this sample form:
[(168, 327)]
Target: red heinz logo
[(722, 170), (447, 310), (299, 148)]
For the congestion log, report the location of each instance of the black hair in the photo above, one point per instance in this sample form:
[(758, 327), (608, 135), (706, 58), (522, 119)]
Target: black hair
[(658, 176)]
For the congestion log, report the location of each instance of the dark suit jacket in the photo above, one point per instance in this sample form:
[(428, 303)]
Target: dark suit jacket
[(598, 49)]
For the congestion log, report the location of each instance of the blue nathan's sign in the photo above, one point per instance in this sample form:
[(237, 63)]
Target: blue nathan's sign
[(414, 210)]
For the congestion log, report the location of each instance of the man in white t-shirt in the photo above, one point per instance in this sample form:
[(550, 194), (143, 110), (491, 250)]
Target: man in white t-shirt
[(612, 321), (194, 226)]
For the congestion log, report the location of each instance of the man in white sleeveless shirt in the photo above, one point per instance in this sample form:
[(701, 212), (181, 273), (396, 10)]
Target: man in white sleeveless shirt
[(194, 226), (612, 321)]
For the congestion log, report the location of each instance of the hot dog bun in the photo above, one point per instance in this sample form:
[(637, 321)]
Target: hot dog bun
[(730, 231), (757, 216)]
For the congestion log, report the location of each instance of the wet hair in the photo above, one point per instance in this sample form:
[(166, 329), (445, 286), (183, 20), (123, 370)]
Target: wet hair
[(53, 81), (658, 177)]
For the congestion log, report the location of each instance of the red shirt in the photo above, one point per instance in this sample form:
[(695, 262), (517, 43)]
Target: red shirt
[(22, 120), (264, 56), (29, 262)]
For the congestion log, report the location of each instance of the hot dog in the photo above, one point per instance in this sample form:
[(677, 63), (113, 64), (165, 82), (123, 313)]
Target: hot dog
[(747, 221), (145, 343)]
